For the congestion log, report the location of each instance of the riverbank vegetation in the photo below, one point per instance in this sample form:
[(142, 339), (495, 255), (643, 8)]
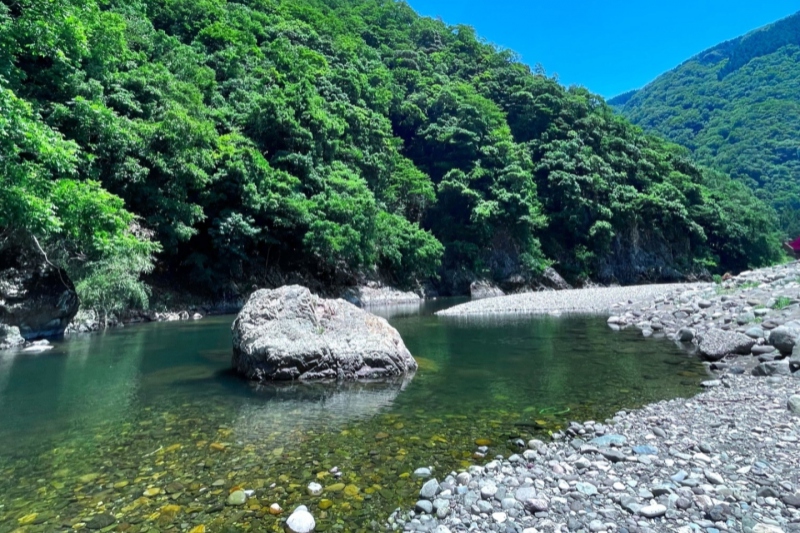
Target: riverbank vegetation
[(336, 139), (737, 107)]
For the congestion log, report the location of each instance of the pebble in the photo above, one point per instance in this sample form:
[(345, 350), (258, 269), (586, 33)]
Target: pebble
[(237, 497), (653, 511), (429, 489), (300, 521)]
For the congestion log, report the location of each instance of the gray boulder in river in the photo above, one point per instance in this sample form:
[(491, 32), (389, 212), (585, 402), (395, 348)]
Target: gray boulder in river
[(289, 333), (35, 296)]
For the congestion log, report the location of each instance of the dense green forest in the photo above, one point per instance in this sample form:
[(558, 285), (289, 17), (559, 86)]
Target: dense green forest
[(333, 139), (737, 107)]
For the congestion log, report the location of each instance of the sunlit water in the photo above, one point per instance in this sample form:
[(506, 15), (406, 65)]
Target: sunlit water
[(88, 427)]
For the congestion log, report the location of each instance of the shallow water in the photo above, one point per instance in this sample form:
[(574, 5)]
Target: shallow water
[(90, 426)]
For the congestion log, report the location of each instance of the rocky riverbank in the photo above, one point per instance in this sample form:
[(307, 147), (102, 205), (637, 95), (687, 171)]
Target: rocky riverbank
[(726, 460)]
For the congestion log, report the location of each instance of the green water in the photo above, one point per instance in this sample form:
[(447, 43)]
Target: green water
[(90, 426)]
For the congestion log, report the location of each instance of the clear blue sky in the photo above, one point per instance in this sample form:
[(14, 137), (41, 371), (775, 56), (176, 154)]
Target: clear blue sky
[(609, 46)]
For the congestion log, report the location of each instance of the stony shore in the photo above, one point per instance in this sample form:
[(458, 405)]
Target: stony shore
[(593, 300), (725, 460)]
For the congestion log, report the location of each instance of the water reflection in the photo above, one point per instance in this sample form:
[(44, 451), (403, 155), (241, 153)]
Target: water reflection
[(314, 406)]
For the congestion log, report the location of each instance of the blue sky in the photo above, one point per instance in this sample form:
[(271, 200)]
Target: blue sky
[(609, 46)]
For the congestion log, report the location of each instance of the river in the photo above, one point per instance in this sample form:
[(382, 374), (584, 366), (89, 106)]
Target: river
[(145, 429)]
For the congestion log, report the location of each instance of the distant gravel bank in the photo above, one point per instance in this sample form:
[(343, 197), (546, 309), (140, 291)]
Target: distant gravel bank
[(595, 300)]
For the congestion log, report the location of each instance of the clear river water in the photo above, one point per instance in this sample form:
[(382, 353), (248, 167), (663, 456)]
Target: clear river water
[(144, 428)]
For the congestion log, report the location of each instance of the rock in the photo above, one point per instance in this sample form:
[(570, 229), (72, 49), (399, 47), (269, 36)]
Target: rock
[(237, 497), (716, 344), (609, 440), (35, 296), (645, 450), (754, 332), (290, 334), (713, 477), (794, 404), (100, 521), (686, 335), (488, 491), (792, 500), (424, 506), (536, 505), (553, 280), (653, 511), (766, 528), (422, 473), (484, 289), (429, 489), (772, 368), (783, 339), (300, 521), (10, 337), (314, 489), (373, 294), (586, 488), (524, 494)]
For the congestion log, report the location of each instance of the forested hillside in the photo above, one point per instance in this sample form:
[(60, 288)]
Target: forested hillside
[(737, 106), (265, 139)]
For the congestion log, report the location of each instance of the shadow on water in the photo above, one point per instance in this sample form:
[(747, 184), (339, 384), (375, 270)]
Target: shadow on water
[(102, 418)]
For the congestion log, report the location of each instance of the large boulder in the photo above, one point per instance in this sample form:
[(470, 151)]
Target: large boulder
[(35, 296), (484, 289), (715, 344), (783, 338), (10, 337), (291, 334)]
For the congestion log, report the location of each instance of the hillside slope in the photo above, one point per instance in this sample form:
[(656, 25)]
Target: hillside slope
[(265, 141), (737, 107)]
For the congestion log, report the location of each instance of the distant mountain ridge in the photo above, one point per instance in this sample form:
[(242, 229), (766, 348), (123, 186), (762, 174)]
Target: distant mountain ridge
[(737, 107)]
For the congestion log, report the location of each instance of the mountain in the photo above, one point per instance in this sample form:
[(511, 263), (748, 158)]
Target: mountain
[(264, 141), (737, 107)]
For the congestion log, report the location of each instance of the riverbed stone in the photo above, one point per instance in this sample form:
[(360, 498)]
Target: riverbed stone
[(783, 338), (300, 521), (291, 334), (429, 489), (793, 404), (717, 343), (653, 511), (237, 497)]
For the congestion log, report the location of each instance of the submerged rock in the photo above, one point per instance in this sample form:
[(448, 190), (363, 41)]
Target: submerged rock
[(289, 333)]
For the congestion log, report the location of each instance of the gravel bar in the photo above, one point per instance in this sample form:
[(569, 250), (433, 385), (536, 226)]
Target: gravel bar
[(593, 300)]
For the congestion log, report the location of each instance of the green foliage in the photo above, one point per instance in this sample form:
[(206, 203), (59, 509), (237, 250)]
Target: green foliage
[(80, 226), (782, 302), (737, 107), (336, 138)]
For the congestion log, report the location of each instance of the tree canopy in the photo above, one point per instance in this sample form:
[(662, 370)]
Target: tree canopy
[(737, 107), (337, 138)]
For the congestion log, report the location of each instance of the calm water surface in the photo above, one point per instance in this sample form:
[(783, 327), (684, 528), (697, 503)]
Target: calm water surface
[(147, 425)]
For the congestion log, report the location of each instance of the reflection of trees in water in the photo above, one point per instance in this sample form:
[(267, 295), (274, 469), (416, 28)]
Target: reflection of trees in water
[(535, 363)]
